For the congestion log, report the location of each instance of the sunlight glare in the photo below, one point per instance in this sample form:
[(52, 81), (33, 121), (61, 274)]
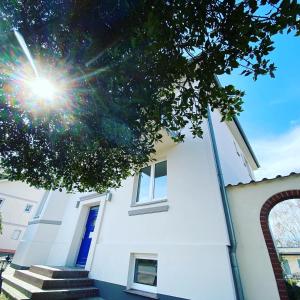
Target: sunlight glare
[(42, 87)]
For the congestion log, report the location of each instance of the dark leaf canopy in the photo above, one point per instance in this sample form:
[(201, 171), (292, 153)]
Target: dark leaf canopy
[(126, 69)]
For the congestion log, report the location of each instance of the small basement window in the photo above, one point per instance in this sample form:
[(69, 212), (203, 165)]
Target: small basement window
[(144, 273)]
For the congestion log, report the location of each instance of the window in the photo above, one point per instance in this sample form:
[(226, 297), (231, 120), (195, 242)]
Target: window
[(152, 183), (144, 273), (1, 202), (28, 208), (16, 234), (298, 260)]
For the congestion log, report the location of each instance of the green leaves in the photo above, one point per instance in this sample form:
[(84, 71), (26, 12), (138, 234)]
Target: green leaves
[(137, 67)]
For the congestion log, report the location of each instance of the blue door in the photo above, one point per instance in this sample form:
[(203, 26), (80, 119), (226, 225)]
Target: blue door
[(86, 240)]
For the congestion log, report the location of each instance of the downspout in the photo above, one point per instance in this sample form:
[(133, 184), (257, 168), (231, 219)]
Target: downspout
[(232, 247)]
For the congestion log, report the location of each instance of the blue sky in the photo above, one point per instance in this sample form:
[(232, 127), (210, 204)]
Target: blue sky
[(271, 117)]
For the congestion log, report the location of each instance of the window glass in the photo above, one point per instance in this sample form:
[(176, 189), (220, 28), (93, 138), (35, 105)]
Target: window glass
[(298, 262), (145, 271), (160, 180), (144, 185), (1, 202), (28, 208)]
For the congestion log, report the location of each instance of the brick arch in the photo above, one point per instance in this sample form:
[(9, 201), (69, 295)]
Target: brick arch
[(264, 222)]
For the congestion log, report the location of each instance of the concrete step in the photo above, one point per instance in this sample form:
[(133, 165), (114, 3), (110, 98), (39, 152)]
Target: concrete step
[(59, 272), (44, 282), (11, 293), (35, 293)]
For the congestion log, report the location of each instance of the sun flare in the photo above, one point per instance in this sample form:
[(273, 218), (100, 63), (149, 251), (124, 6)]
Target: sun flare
[(43, 88)]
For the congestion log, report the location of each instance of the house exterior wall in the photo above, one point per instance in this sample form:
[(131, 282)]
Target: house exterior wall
[(254, 262), (189, 236), (15, 196), (37, 241), (235, 165)]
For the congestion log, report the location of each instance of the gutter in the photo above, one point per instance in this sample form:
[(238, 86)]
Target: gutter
[(232, 247)]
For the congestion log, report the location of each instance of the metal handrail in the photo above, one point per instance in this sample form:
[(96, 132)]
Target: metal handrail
[(4, 263)]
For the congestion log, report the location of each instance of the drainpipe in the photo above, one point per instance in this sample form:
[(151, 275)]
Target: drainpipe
[(232, 248)]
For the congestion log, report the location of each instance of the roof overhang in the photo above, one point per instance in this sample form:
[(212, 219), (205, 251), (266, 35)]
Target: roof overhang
[(241, 138), (166, 141)]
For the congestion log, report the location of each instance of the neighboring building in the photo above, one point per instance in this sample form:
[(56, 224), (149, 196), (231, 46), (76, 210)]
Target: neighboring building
[(162, 234), (18, 203), (259, 265), (290, 258)]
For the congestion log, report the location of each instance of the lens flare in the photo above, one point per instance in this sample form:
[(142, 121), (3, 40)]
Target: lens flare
[(43, 88)]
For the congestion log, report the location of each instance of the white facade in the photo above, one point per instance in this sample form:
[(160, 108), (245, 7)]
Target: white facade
[(291, 260), (186, 232), (18, 203)]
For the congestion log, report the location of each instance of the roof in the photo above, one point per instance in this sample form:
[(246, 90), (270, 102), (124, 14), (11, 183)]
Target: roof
[(7, 251), (264, 179)]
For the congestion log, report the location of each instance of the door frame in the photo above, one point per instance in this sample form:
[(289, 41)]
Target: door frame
[(83, 205), (91, 234)]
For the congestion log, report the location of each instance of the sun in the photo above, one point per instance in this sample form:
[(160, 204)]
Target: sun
[(43, 88)]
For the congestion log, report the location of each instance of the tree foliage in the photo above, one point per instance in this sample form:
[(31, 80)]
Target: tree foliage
[(131, 68), (284, 223)]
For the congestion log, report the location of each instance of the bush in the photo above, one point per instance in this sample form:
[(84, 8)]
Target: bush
[(293, 289)]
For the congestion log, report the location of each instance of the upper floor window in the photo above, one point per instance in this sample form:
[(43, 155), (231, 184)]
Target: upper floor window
[(28, 208), (16, 234), (152, 183)]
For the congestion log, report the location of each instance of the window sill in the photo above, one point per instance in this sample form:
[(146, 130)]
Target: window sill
[(142, 293), (148, 210), (148, 203)]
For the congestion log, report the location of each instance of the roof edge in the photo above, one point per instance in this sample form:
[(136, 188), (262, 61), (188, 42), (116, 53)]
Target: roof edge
[(262, 180), (239, 127), (241, 131)]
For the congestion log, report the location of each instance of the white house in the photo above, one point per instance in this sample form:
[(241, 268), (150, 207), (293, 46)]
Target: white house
[(290, 260), (18, 202), (165, 234)]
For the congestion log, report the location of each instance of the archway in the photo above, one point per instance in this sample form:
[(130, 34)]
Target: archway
[(264, 221)]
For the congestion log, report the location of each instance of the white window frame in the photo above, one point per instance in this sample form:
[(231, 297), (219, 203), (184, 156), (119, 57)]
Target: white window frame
[(151, 186), (139, 286)]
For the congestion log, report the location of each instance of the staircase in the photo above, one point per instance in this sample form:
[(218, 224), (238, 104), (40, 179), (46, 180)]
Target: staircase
[(48, 283)]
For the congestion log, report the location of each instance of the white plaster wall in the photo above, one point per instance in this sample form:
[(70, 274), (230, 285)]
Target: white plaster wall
[(255, 267), (6, 242), (233, 164), (190, 239), (16, 196), (37, 241)]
